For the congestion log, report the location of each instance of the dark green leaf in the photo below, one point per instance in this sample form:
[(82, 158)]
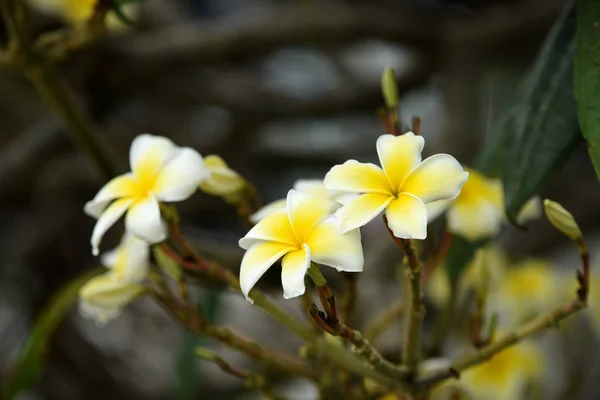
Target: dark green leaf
[(587, 75), (544, 124), (30, 360), (460, 254)]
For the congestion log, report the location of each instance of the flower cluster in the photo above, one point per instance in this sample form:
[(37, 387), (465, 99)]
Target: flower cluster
[(320, 222), (161, 172)]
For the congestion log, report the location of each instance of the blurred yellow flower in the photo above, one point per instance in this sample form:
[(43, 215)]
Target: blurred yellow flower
[(161, 171), (103, 297), (478, 211), (223, 181), (528, 289), (507, 375), (302, 232), (402, 187)]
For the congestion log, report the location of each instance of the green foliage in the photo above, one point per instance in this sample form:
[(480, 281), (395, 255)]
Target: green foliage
[(166, 263), (587, 76), (30, 360), (543, 129)]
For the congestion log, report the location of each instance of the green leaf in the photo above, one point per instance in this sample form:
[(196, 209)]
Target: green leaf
[(544, 128), (587, 77), (460, 254), (31, 357), (166, 263)]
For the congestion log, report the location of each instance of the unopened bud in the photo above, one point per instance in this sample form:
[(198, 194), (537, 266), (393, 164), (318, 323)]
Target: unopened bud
[(389, 88), (205, 354), (562, 219), (481, 274)]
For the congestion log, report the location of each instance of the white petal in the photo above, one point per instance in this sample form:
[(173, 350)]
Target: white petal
[(355, 177), (107, 219), (361, 211), (103, 297), (267, 210), (148, 154), (257, 260), (121, 186), (132, 261), (531, 210), (305, 210), (399, 155), (439, 177), (109, 258), (328, 246), (475, 220), (436, 208), (143, 220), (407, 217), (293, 269), (274, 228), (312, 186), (181, 176)]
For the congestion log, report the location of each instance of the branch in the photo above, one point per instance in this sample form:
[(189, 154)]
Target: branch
[(485, 353), (411, 348)]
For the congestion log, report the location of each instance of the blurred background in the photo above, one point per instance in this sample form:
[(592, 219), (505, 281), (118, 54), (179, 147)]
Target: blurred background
[(281, 90)]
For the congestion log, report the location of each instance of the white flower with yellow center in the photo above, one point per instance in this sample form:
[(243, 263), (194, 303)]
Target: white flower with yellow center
[(223, 180), (310, 186), (161, 171), (403, 187), (303, 232), (478, 211), (103, 297)]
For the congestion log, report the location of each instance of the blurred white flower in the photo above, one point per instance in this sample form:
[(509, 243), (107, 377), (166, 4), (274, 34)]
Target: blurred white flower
[(103, 297)]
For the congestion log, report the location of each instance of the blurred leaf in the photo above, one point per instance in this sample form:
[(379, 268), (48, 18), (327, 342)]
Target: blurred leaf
[(543, 128), (188, 372), (460, 254), (30, 359), (587, 78), (166, 263)]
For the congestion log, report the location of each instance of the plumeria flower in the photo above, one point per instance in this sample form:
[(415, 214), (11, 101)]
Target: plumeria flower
[(223, 180), (303, 232), (402, 188), (478, 211), (103, 297), (310, 186), (161, 171)]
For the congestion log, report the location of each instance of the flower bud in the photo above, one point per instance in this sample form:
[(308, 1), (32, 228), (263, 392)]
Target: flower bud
[(223, 180), (389, 88), (562, 219)]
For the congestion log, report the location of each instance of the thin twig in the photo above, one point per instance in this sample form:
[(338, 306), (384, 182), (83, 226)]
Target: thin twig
[(485, 353)]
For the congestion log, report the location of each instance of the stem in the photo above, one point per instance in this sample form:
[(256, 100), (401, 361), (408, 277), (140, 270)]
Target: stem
[(383, 321), (331, 324), (231, 339), (485, 353), (411, 348), (53, 88)]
